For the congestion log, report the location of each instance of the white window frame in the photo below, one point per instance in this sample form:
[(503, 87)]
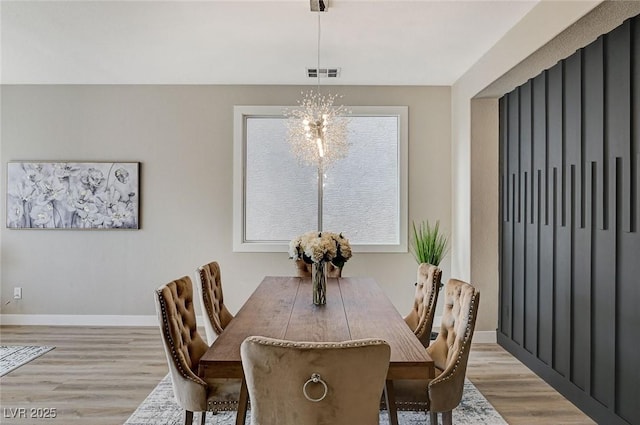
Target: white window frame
[(242, 112)]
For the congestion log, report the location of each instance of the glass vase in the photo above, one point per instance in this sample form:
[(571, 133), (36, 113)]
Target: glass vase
[(319, 278)]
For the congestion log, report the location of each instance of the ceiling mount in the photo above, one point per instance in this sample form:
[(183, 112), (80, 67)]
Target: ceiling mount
[(319, 5)]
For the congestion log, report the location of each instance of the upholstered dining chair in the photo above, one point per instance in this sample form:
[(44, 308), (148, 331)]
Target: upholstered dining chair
[(293, 383), (450, 353), (420, 318), (184, 347), (216, 315), (304, 269)]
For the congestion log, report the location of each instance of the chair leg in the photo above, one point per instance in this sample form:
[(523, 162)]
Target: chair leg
[(434, 418), (188, 417), (447, 418), (203, 417), (243, 402), (390, 400)]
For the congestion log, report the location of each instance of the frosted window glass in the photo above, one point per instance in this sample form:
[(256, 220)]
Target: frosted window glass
[(281, 199), (361, 192), (364, 194)]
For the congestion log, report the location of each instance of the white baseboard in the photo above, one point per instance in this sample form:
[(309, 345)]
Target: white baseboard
[(78, 320), (480, 337), (484, 337)]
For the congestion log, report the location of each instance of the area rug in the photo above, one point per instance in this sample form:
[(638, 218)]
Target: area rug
[(14, 356), (160, 408)]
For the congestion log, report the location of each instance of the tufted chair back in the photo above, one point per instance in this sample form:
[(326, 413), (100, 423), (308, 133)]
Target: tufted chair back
[(352, 375), (182, 343), (216, 315), (450, 350), (420, 318), (450, 353)]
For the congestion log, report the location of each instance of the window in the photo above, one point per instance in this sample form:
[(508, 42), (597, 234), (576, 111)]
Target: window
[(364, 195)]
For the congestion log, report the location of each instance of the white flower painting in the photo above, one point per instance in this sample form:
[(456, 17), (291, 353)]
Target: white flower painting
[(72, 195)]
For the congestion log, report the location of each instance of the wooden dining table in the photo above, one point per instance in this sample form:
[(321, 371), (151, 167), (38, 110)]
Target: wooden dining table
[(282, 307)]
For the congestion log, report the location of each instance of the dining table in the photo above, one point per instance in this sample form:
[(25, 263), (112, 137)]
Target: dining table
[(282, 307)]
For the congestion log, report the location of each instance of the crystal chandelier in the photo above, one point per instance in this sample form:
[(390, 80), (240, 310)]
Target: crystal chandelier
[(317, 130)]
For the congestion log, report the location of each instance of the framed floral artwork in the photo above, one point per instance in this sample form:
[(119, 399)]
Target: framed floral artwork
[(73, 195)]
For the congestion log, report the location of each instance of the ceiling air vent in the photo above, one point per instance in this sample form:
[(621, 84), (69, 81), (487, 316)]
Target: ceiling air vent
[(324, 72)]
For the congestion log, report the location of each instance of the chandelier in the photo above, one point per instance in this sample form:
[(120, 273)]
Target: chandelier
[(317, 130)]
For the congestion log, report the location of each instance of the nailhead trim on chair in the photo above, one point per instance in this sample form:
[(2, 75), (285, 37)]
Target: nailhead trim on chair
[(412, 406), (436, 278), (465, 340), (278, 343), (174, 354), (219, 406)]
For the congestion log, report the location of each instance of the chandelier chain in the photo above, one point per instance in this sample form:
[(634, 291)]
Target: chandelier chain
[(318, 65)]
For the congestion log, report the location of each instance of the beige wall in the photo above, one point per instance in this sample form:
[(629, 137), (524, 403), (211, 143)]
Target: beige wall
[(182, 135), (484, 205)]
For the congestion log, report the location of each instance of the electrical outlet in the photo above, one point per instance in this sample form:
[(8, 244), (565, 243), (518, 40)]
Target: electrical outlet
[(17, 293)]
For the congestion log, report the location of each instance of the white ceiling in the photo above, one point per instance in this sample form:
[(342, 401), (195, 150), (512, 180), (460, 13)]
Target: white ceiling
[(374, 42)]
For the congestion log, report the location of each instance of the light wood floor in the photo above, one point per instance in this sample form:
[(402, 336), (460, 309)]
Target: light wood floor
[(98, 376)]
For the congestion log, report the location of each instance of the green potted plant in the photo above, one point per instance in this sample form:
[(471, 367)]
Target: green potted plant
[(429, 244)]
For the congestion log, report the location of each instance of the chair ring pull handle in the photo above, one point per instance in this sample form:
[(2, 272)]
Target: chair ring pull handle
[(315, 378)]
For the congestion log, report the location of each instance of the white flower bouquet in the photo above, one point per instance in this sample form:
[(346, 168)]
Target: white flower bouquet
[(316, 247)]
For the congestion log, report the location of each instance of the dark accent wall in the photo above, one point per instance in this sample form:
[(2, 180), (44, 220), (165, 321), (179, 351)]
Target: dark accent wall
[(570, 246)]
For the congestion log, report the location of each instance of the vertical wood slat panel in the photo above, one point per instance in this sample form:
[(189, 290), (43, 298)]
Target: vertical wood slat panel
[(603, 296), (513, 134), (628, 322), (581, 301), (545, 310), (531, 267), (635, 124), (562, 282), (539, 145), (545, 230), (573, 257), (555, 223), (519, 278), (555, 124), (506, 302), (555, 119), (514, 147), (618, 108), (526, 146), (570, 156), (567, 342), (531, 233), (628, 289), (520, 253), (582, 164), (593, 104), (573, 129), (539, 110)]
